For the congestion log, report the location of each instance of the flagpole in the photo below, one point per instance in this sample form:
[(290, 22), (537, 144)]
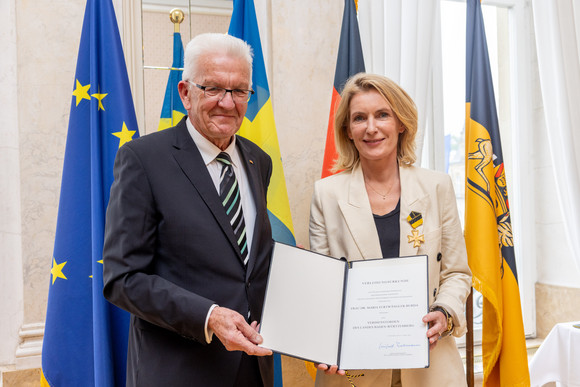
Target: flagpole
[(469, 341), (176, 16)]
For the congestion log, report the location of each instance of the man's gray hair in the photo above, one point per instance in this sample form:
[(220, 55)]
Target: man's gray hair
[(214, 43)]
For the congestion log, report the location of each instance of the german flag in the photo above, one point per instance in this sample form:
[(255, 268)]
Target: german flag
[(488, 231), (349, 62)]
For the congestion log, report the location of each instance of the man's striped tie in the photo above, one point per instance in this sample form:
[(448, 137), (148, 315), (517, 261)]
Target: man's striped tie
[(231, 200)]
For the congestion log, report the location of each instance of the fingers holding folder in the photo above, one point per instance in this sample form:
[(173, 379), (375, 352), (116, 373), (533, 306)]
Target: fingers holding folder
[(330, 370)]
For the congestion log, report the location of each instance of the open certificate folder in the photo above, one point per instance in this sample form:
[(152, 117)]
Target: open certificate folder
[(358, 315)]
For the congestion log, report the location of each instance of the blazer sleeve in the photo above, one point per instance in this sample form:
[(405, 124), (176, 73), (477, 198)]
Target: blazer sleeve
[(317, 227), (454, 275), (129, 254)]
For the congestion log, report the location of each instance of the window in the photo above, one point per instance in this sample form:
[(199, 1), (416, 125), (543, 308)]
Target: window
[(501, 23)]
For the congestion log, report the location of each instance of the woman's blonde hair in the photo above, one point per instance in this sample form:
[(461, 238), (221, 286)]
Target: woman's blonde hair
[(402, 105)]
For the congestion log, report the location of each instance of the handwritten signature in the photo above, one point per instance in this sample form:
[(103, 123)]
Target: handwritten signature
[(398, 344)]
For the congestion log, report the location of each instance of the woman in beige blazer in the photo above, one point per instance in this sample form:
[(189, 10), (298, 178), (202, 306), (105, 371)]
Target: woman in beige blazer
[(381, 205)]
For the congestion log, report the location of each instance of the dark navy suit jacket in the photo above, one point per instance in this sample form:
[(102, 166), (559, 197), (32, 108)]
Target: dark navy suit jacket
[(170, 253)]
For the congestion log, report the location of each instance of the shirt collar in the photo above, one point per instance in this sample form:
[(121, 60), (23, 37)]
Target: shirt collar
[(207, 149)]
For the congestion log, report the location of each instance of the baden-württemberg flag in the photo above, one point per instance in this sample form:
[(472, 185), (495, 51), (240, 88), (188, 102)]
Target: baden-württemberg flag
[(173, 111), (85, 338), (259, 127), (488, 231)]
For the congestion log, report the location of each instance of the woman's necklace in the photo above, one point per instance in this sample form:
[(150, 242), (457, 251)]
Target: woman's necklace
[(384, 196)]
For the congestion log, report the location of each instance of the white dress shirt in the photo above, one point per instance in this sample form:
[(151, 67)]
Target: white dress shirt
[(209, 152)]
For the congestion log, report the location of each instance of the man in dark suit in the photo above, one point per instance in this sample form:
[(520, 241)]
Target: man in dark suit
[(187, 238)]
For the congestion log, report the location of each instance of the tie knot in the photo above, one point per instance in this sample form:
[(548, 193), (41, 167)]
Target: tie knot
[(224, 158)]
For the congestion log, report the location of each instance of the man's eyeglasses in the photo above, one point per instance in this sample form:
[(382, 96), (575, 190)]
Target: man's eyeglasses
[(218, 93)]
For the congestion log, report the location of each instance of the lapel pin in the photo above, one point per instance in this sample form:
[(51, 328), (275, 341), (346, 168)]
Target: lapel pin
[(416, 239), (415, 219), (251, 161)]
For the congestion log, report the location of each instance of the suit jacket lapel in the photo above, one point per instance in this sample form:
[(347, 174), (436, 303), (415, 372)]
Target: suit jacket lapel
[(191, 163), (258, 194), (358, 216), (412, 199)]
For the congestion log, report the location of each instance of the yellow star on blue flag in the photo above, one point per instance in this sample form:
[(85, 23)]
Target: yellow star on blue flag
[(56, 270), (99, 97), (81, 92), (85, 337), (125, 135)]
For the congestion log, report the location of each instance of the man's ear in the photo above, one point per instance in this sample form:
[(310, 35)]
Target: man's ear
[(184, 94)]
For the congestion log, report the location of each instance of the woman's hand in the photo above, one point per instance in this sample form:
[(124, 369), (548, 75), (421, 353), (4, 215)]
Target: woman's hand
[(330, 370), (437, 325)]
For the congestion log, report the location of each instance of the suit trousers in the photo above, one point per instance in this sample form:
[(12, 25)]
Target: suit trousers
[(249, 372)]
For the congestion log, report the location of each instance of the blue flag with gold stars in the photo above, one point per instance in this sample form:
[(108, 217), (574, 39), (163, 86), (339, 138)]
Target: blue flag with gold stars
[(85, 337)]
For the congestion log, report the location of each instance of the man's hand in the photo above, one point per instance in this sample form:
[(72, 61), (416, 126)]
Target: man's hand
[(235, 333)]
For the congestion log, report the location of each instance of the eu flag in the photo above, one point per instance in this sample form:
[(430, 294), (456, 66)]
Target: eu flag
[(259, 127), (173, 111), (488, 230), (85, 338)]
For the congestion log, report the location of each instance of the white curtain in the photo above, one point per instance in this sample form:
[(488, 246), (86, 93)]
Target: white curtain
[(557, 30), (401, 39)]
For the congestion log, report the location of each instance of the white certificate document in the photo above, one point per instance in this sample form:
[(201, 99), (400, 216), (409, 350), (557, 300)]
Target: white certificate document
[(382, 326), (303, 304), (362, 315)]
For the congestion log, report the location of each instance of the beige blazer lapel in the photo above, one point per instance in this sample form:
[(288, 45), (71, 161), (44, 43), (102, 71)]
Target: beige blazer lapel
[(358, 216), (412, 199)]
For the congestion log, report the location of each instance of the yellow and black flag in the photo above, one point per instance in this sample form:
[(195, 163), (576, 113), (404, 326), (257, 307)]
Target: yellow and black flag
[(488, 231)]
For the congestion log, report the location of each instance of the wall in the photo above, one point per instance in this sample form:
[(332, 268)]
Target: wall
[(304, 45), (46, 64), (40, 44), (36, 74), (10, 220), (304, 49)]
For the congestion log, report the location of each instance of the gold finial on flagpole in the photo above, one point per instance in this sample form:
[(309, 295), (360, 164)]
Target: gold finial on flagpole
[(176, 16)]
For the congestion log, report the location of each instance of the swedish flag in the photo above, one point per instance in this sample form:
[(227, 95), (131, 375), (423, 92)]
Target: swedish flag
[(488, 231), (259, 127), (85, 338), (173, 111)]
